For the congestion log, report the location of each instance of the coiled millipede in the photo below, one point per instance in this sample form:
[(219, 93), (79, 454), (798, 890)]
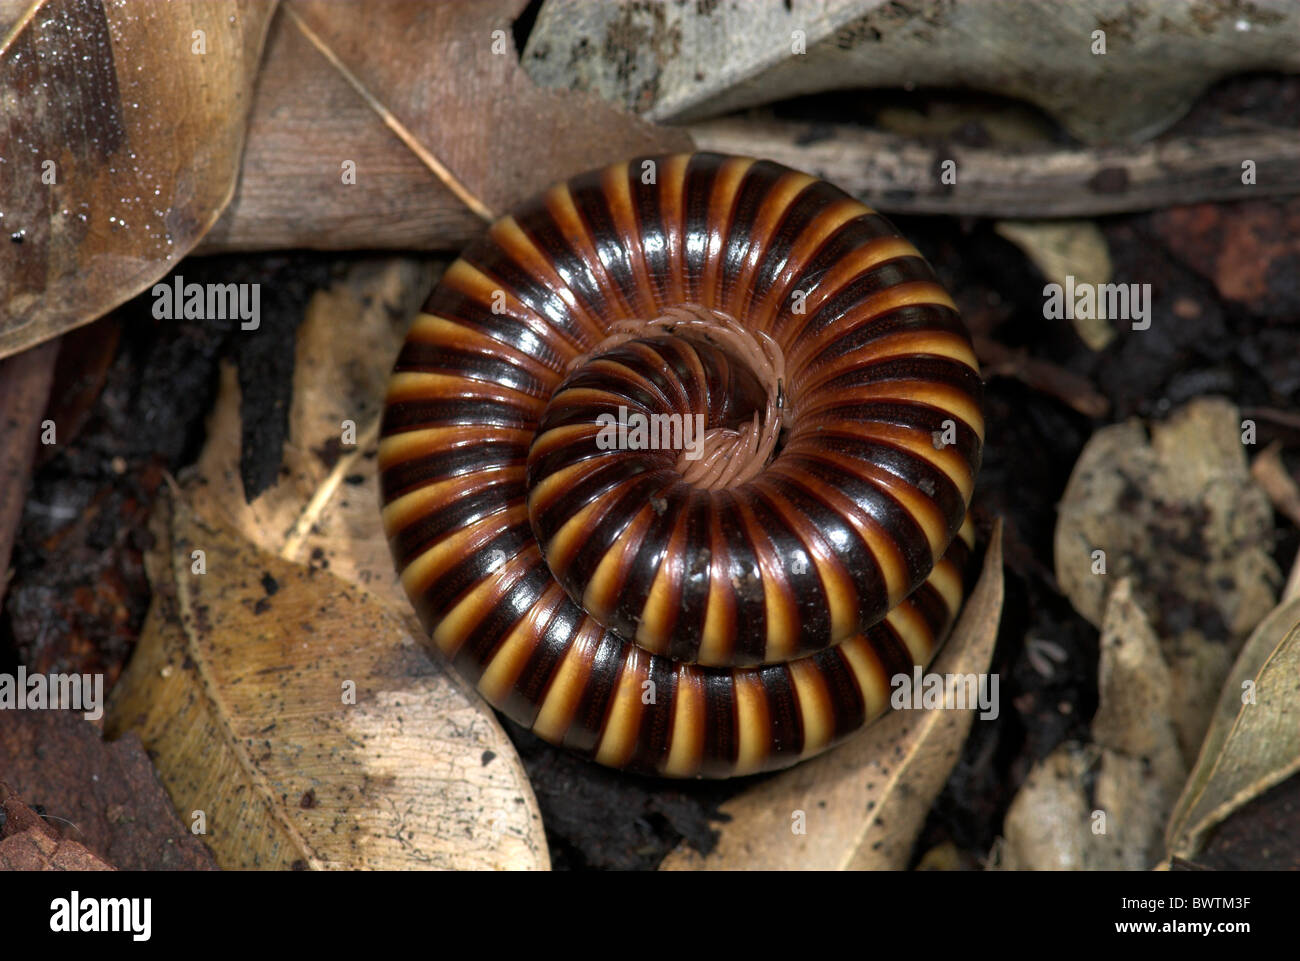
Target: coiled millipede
[(701, 606)]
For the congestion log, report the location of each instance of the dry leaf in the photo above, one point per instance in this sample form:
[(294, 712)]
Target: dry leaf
[(1252, 746), (240, 690), (324, 508), (446, 79), (324, 511), (1134, 715), (122, 145), (309, 130), (1142, 767), (1179, 514), (1235, 247), (1130, 775), (864, 801), (676, 61), (1047, 824), (1065, 249)]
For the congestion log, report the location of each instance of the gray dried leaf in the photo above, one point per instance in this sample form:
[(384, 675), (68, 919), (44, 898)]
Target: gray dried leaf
[(1176, 511), (686, 61)]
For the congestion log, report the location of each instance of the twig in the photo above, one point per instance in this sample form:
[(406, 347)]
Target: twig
[(999, 360), (900, 174), (1271, 474), (24, 388), (1289, 420)]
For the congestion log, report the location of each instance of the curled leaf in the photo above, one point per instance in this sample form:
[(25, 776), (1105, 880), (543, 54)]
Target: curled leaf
[(1254, 738)]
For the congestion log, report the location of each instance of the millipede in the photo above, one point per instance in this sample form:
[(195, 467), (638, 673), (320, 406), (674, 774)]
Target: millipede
[(660, 601)]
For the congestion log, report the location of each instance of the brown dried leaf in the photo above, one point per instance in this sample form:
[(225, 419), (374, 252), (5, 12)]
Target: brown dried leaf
[(446, 79), (1250, 746), (307, 122), (864, 801), (141, 136), (1247, 250), (239, 689), (104, 796), (1134, 714)]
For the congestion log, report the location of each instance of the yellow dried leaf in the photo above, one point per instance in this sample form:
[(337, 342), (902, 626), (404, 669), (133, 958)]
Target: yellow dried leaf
[(297, 721)]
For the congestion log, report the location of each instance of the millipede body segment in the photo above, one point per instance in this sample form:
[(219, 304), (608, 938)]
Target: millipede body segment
[(675, 464)]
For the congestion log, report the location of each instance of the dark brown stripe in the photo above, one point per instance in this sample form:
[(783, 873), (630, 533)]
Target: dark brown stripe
[(598, 693), (655, 734)]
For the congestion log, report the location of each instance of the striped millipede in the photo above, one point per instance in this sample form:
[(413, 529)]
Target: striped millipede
[(731, 614)]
